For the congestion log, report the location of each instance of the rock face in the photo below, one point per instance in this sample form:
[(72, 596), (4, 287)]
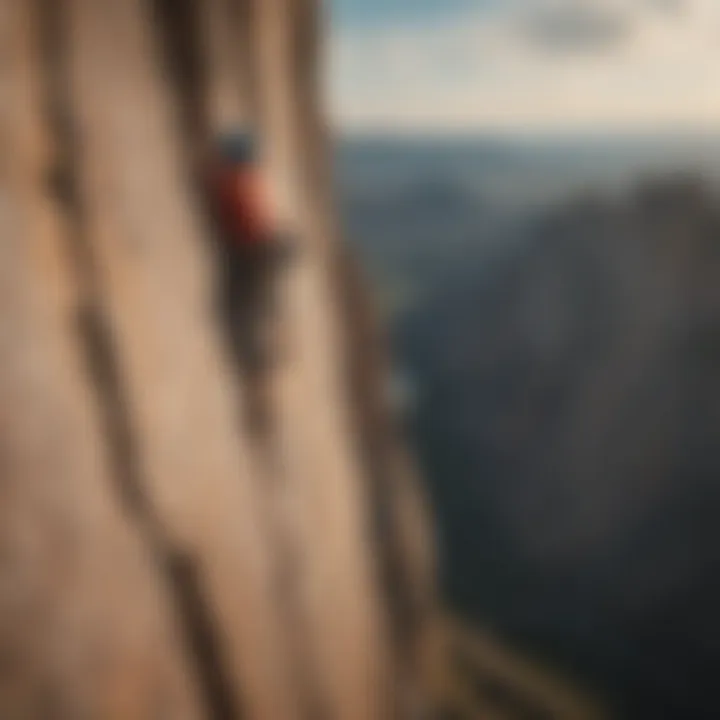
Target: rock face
[(571, 428), (156, 559)]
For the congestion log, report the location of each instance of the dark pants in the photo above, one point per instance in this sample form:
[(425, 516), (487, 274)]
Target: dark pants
[(248, 300)]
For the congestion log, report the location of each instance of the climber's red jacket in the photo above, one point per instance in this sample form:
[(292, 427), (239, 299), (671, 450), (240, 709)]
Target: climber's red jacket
[(241, 205)]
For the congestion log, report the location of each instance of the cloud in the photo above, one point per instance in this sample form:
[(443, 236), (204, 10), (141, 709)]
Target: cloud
[(572, 27), (671, 7), (474, 70)]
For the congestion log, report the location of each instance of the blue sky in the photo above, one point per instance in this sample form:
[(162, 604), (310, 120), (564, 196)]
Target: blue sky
[(418, 65), (374, 13)]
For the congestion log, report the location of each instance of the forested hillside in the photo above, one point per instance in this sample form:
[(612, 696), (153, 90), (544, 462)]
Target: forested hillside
[(569, 422)]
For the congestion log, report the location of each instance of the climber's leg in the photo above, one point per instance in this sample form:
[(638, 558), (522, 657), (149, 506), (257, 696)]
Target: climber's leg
[(251, 285), (263, 305)]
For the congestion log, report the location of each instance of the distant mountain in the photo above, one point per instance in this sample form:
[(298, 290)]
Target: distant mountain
[(422, 210), (515, 172), (569, 424)]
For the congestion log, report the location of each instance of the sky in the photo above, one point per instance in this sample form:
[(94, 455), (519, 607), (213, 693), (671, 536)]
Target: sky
[(524, 65)]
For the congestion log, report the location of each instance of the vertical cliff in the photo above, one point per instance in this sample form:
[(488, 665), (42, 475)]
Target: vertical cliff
[(157, 558)]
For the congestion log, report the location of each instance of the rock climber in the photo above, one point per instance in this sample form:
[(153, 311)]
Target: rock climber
[(251, 246)]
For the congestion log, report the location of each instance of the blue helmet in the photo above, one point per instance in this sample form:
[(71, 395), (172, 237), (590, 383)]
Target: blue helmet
[(237, 147)]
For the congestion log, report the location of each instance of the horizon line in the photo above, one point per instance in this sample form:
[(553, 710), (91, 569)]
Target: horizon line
[(516, 133)]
